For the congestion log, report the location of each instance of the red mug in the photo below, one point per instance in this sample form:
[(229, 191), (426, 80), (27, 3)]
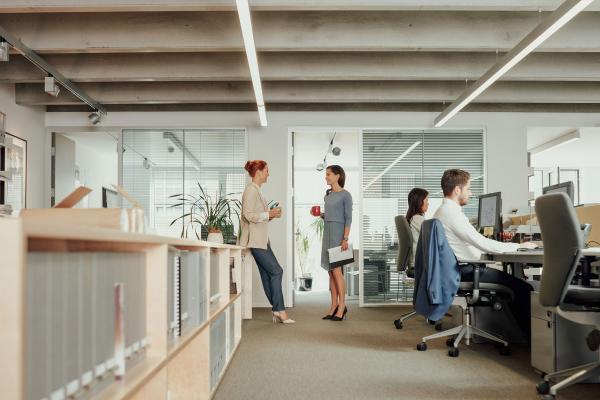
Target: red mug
[(315, 211)]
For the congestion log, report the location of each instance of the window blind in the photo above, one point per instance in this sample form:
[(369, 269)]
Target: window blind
[(160, 163), (394, 162)]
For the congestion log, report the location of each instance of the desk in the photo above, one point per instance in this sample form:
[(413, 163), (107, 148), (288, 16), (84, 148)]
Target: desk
[(535, 257), (518, 259)]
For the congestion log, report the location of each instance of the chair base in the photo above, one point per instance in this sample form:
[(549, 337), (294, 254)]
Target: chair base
[(577, 374), (399, 322), (465, 331), (404, 317)]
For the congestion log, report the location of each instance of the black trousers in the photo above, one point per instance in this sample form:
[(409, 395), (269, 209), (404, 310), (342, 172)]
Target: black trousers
[(520, 306)]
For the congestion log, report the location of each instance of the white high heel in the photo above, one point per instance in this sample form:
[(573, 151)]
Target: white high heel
[(277, 318)]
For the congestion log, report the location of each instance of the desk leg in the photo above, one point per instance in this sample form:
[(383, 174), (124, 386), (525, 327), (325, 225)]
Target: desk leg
[(586, 271), (518, 270)]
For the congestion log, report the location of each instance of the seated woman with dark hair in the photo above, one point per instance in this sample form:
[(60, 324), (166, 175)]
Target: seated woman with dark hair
[(418, 203)]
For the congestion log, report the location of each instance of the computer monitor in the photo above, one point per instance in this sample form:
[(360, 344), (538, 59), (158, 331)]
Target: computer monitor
[(490, 207), (564, 187), (110, 198)]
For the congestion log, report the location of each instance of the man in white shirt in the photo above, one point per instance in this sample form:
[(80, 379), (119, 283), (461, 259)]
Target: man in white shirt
[(468, 244)]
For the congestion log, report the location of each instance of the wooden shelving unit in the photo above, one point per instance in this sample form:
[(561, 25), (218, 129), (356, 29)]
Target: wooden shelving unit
[(60, 313)]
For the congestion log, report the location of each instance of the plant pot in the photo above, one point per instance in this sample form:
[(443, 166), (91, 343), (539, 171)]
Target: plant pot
[(215, 237), (305, 283)]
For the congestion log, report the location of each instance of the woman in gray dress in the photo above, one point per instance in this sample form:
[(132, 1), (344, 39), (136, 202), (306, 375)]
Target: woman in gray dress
[(338, 219)]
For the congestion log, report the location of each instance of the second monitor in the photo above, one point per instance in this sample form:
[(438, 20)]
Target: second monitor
[(489, 215), (563, 187)]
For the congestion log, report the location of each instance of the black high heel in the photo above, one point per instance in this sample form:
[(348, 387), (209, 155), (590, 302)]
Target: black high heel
[(336, 318), (331, 316)]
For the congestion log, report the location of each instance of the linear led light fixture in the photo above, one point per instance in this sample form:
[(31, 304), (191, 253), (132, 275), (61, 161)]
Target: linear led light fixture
[(396, 161), (556, 142), (561, 16), (243, 10), (42, 64)]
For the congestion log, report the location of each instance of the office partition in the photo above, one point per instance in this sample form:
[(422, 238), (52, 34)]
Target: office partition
[(394, 162)]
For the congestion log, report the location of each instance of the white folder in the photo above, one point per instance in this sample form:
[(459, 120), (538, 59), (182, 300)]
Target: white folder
[(338, 257)]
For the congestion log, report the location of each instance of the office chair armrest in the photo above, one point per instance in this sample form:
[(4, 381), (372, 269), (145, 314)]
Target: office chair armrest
[(480, 262)]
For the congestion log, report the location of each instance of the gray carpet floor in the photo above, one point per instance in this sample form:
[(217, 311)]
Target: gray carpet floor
[(365, 357)]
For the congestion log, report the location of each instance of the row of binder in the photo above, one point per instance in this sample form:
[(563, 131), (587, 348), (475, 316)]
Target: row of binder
[(72, 316)]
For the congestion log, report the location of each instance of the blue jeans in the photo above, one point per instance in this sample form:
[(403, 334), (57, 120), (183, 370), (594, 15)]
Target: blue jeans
[(271, 275)]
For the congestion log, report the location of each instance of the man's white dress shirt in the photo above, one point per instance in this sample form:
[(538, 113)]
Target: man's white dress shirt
[(465, 241)]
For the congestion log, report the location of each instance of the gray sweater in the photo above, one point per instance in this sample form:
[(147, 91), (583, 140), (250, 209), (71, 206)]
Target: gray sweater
[(338, 207)]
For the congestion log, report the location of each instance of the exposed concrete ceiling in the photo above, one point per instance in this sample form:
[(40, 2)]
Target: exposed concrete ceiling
[(335, 54), (277, 5)]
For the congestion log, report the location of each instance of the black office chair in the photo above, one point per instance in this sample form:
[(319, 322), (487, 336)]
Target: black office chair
[(405, 241), (562, 238), (469, 295)]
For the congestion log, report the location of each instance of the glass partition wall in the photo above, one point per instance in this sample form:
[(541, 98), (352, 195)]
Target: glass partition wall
[(394, 162), (158, 164)]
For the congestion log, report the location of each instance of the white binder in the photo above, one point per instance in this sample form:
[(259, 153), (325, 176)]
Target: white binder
[(338, 257)]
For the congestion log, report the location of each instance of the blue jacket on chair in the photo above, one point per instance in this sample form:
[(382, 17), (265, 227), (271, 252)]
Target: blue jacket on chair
[(437, 277)]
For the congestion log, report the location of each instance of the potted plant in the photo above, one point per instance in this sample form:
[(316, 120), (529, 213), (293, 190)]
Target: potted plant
[(302, 249), (205, 211), (303, 243)]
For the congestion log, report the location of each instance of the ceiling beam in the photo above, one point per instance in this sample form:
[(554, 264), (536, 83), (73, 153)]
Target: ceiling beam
[(42, 64), (300, 66), (39, 6), (293, 31), (314, 92), (548, 27), (389, 107)]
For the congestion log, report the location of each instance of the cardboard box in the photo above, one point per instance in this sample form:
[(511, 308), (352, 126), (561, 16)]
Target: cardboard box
[(522, 219), (590, 214)]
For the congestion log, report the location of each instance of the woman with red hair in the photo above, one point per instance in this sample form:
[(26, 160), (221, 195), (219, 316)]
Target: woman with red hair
[(255, 235)]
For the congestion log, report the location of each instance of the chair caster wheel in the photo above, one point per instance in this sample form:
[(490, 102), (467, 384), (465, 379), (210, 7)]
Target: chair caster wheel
[(505, 351), (450, 342), (453, 352), (398, 324), (438, 326), (431, 322), (422, 346), (543, 387)]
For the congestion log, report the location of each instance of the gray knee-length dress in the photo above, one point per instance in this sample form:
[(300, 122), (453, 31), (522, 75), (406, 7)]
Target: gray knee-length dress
[(338, 215)]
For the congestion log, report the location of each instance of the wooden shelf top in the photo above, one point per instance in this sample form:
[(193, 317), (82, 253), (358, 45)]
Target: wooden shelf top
[(43, 230)]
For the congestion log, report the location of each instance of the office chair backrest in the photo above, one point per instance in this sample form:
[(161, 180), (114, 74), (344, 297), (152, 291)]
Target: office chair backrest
[(405, 241), (562, 239)]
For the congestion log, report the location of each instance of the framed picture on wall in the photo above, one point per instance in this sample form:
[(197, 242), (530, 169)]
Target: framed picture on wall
[(15, 167)]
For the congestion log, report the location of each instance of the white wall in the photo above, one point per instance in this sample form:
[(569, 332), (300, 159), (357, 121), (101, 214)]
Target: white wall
[(310, 186), (98, 166), (506, 144), (27, 123)]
